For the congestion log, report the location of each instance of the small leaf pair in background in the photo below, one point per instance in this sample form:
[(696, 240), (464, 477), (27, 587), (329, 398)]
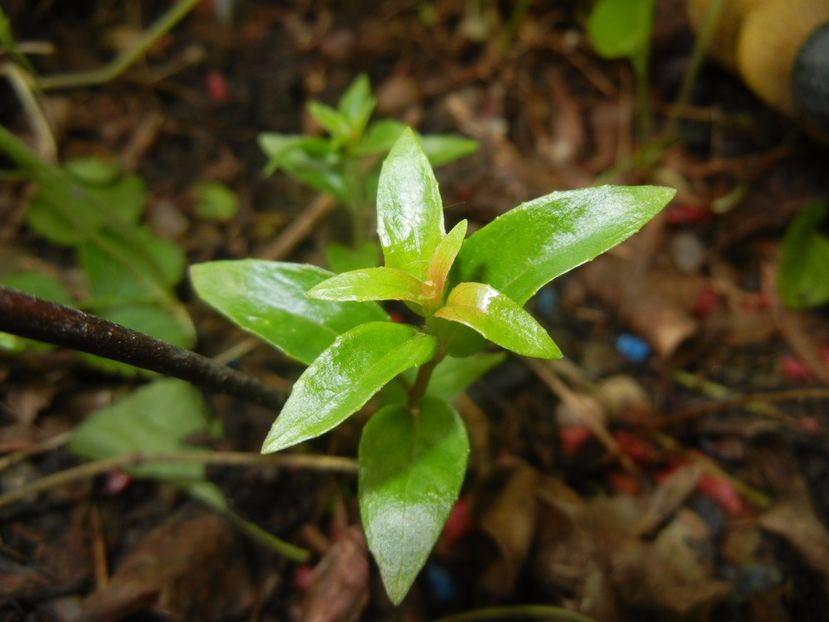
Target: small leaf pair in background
[(346, 164), (413, 451)]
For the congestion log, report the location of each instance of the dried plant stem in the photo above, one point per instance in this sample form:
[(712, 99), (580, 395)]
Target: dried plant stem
[(34, 318), (226, 458), (299, 229)]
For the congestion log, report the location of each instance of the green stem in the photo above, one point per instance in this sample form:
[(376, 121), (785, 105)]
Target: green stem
[(709, 26), (126, 58)]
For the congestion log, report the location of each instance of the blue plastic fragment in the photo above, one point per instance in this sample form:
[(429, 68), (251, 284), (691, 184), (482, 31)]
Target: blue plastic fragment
[(545, 301), (633, 348), (440, 583)]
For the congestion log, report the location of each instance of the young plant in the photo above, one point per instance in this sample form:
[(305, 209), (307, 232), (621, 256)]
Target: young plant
[(346, 163), (413, 451), (804, 260), (95, 209), (622, 29)]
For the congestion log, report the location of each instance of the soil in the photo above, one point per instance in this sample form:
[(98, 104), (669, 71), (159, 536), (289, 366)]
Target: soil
[(673, 466)]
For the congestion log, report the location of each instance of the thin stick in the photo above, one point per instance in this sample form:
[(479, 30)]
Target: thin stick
[(48, 445), (227, 458), (34, 318), (299, 229), (119, 64), (548, 376)]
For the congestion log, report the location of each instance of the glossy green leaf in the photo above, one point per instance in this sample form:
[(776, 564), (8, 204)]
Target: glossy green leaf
[(156, 418), (498, 318), (215, 201), (620, 28), (331, 120), (459, 340), (452, 376), (443, 258), (529, 246), (341, 258), (803, 275), (268, 299), (444, 148), (356, 105), (409, 208), (369, 284), (410, 473), (344, 377)]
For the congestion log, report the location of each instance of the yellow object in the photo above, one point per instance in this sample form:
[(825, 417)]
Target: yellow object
[(762, 41)]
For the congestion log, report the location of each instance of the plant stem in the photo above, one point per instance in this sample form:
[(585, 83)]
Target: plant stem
[(226, 458), (126, 58), (421, 383), (709, 26), (34, 318)]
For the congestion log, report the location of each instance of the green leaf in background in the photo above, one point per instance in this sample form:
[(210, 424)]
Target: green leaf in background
[(331, 120), (341, 258), (527, 247), (157, 418), (409, 208), (356, 106), (310, 160), (344, 377), (803, 275), (444, 148), (498, 318), (620, 28), (215, 201), (452, 376), (410, 473), (267, 298), (369, 284), (55, 226), (380, 137), (93, 171), (443, 258), (39, 284)]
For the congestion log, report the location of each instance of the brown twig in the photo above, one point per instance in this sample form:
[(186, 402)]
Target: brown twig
[(299, 229), (227, 458), (34, 318)]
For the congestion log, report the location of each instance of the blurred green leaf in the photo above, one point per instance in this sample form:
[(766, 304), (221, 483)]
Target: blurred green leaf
[(157, 418), (410, 473), (344, 377), (620, 28), (215, 201), (341, 258), (356, 106), (803, 275), (268, 299), (331, 120), (442, 149), (452, 376), (380, 137)]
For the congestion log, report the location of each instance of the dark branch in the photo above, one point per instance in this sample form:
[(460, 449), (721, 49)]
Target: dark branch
[(34, 318)]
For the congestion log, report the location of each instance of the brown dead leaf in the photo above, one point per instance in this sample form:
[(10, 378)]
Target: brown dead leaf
[(510, 522), (794, 519), (670, 495), (340, 584), (653, 305), (187, 569)]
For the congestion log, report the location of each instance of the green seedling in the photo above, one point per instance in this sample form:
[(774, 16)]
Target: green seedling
[(346, 163), (413, 451), (93, 208), (804, 260), (622, 29)]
